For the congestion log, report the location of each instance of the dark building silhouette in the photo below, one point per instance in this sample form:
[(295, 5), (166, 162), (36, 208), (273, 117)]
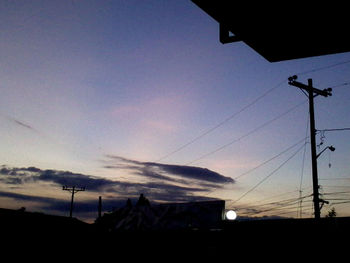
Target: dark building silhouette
[(170, 216), (282, 30)]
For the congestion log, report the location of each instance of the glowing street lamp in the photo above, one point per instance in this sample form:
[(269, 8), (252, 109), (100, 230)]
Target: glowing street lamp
[(230, 215)]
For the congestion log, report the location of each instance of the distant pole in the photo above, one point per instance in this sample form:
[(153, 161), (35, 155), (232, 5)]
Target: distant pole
[(311, 93), (99, 207), (73, 190)]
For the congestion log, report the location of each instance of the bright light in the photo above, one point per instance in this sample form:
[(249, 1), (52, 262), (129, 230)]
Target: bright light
[(231, 215)]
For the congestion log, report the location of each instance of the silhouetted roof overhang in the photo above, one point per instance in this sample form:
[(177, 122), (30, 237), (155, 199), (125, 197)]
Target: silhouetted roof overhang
[(285, 30)]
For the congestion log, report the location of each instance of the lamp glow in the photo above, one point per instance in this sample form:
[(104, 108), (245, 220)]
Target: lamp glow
[(231, 215)]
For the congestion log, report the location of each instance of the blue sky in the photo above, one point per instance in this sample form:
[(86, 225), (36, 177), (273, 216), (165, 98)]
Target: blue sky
[(103, 89)]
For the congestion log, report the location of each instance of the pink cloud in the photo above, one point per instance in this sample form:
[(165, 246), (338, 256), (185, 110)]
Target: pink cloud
[(162, 112), (159, 125), (125, 110), (232, 166)]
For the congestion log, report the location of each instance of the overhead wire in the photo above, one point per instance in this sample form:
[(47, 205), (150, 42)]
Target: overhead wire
[(281, 203), (247, 134), (343, 202), (302, 170), (339, 85), (269, 175), (337, 129), (300, 199), (302, 73), (263, 201), (287, 208), (305, 208), (279, 195), (331, 179), (271, 159), (300, 204), (206, 132), (337, 193), (323, 68)]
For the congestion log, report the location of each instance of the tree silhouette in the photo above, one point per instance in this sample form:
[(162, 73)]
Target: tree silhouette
[(331, 213)]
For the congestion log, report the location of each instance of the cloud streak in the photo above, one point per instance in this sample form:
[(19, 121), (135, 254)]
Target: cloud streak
[(20, 123), (159, 182), (169, 172), (14, 175), (114, 192), (168, 184), (23, 124)]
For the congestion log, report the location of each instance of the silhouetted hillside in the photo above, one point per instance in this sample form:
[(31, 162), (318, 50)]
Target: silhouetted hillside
[(31, 235), (20, 221)]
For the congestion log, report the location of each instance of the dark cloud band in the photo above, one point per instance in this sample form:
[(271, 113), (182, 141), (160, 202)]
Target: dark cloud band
[(167, 171)]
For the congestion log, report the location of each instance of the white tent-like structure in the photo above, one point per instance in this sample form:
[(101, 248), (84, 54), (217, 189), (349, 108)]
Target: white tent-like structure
[(170, 216)]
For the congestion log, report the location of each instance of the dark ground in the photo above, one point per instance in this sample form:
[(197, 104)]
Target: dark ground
[(48, 238)]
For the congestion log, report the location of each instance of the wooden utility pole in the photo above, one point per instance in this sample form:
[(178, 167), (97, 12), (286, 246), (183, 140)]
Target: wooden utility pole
[(311, 93), (99, 207), (73, 190)]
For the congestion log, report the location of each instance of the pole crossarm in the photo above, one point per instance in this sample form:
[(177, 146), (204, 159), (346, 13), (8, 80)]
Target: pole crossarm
[(325, 92), (72, 190)]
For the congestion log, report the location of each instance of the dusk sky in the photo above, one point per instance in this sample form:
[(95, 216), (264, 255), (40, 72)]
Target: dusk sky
[(130, 97)]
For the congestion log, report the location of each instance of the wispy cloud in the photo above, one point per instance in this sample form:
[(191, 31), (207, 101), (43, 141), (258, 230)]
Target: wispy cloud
[(168, 172), (125, 111), (15, 175), (158, 187), (20, 123), (23, 124), (160, 126)]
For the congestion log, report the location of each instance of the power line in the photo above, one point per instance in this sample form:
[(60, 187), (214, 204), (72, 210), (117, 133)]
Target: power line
[(249, 105), (305, 208), (257, 204), (337, 193), (288, 205), (338, 129), (293, 205), (330, 179), (247, 134), (278, 195), (338, 199), (336, 186), (282, 203), (340, 85), (272, 158), (302, 172), (269, 175), (206, 132), (338, 203), (323, 68)]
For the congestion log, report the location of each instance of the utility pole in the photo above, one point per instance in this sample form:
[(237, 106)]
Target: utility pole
[(73, 190), (311, 94), (99, 207)]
